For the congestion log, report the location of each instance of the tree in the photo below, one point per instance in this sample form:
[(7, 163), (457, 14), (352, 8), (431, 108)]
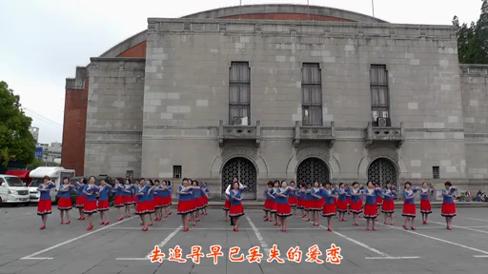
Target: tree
[(16, 141), (473, 40)]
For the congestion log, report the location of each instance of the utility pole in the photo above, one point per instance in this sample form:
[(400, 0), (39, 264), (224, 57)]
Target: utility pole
[(372, 6)]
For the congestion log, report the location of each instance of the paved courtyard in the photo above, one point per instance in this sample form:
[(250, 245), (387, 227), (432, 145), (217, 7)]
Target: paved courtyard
[(122, 247)]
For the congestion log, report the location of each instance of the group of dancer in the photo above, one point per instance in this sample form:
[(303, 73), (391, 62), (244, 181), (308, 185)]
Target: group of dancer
[(283, 200), (148, 197)]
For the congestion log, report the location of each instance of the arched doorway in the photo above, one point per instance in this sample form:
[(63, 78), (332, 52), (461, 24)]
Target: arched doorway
[(312, 169), (244, 171), (382, 170)]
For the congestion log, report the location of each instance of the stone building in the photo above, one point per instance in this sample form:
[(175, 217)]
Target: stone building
[(280, 91)]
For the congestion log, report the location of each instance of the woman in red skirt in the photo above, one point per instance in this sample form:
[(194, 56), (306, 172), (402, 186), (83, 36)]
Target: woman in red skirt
[(426, 193), (371, 207), (283, 208), (90, 192), (342, 202), (448, 209), (293, 199), (227, 199), (388, 207), (129, 197), (80, 197), (119, 192), (166, 193), (236, 209), (103, 201), (356, 202), (268, 201), (379, 198), (44, 204), (185, 206), (64, 200), (143, 202), (316, 203), (329, 209), (409, 210)]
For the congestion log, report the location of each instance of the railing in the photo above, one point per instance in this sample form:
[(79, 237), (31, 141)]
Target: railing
[(314, 133), (384, 134), (239, 132)]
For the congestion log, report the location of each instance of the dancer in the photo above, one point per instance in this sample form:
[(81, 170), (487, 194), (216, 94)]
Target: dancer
[(274, 205), (205, 193), (185, 202), (268, 201), (103, 203), (409, 209), (388, 207), (119, 192), (301, 197), (80, 197), (44, 204), (64, 200), (129, 190), (236, 209), (379, 198), (227, 199), (329, 209), (283, 208), (316, 203), (371, 206), (356, 203), (166, 198), (342, 202), (307, 203), (293, 199), (90, 192), (158, 201), (142, 201), (448, 209), (426, 193)]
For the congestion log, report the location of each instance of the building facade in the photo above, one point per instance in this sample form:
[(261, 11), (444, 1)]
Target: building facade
[(281, 91)]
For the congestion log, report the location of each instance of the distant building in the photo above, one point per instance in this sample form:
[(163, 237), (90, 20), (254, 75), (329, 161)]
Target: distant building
[(51, 153), (281, 91)]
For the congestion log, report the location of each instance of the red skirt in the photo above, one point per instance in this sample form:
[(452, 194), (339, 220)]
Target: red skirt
[(144, 207), (184, 207), (65, 203), (103, 205), (158, 201), (119, 201), (357, 206), (388, 206), (425, 207), (268, 205), (409, 210), (274, 207), (129, 200), (90, 207), (379, 200), (316, 204), (370, 211), (329, 210), (283, 210), (200, 203), (166, 201), (226, 204), (341, 205), (205, 200), (236, 210), (299, 203), (448, 210), (151, 205), (293, 201), (44, 207), (80, 201)]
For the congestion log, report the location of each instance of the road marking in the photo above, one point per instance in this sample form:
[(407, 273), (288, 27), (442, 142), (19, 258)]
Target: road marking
[(161, 245), (464, 227), (33, 255), (442, 240), (261, 240), (382, 255), (476, 219)]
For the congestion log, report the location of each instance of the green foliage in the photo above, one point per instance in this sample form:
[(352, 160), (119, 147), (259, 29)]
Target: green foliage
[(16, 141), (473, 40)]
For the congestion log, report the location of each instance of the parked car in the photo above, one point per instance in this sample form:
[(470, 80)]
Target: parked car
[(13, 190), (33, 192), (55, 173)]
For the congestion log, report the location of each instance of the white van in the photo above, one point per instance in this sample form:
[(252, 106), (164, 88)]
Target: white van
[(13, 190), (54, 172)]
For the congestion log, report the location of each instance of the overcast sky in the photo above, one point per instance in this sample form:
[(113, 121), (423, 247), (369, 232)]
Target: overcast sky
[(42, 41)]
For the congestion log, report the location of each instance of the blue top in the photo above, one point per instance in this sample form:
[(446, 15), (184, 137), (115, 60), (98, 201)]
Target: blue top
[(44, 191), (235, 197), (64, 191), (142, 193), (184, 194), (282, 195), (315, 194), (79, 187), (426, 194), (328, 195), (342, 194), (389, 194), (371, 197), (197, 192), (119, 190), (355, 196), (91, 191), (448, 196), (104, 192), (409, 196)]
